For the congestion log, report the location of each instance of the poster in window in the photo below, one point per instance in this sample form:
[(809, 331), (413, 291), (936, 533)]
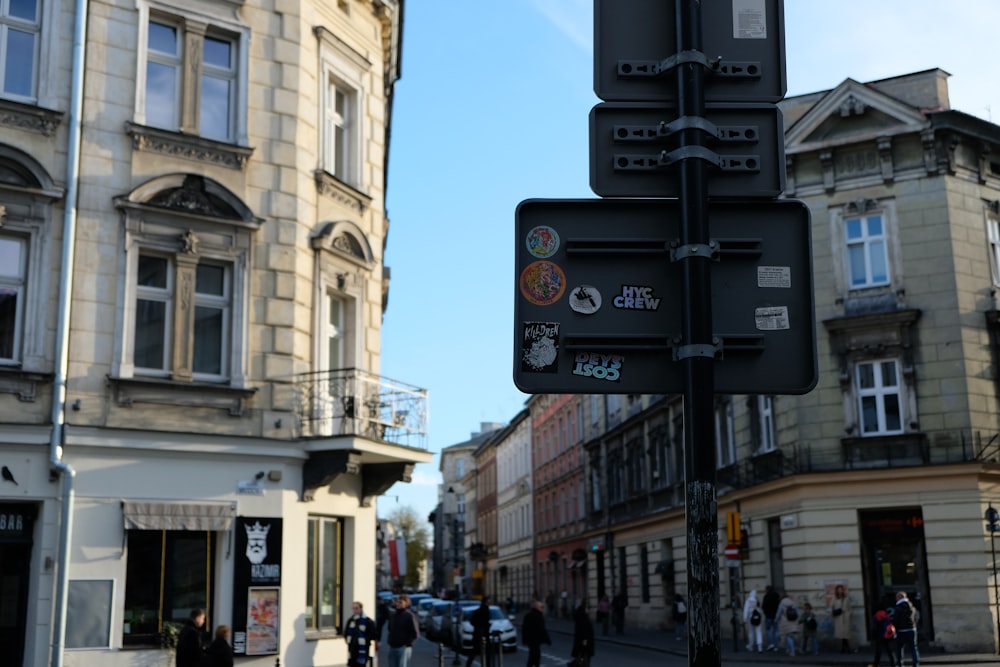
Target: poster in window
[(256, 581), (262, 621)]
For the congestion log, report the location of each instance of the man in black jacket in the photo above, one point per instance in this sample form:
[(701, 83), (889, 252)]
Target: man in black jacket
[(404, 630), (769, 605), (534, 633), (191, 639), (904, 617), (480, 621)]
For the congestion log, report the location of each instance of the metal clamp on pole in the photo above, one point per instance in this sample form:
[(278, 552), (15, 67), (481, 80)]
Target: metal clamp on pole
[(746, 69), (664, 130), (708, 250), (705, 351), (731, 163)]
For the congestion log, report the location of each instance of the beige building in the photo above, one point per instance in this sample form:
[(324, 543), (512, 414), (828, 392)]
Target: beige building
[(880, 478), (191, 295)]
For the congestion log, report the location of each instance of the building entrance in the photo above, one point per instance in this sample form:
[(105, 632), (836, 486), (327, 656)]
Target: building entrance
[(894, 559), (16, 522)]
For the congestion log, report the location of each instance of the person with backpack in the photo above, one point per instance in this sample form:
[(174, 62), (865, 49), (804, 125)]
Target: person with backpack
[(788, 623), (904, 617), (753, 618), (883, 637), (810, 627), (680, 614)]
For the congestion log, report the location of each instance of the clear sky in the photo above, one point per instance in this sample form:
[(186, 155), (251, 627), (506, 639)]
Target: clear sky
[(492, 108)]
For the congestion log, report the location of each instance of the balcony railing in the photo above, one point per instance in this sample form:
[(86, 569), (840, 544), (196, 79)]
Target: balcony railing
[(353, 402)]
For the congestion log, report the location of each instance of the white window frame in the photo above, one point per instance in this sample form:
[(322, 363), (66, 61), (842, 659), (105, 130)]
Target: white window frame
[(318, 572), (725, 436), (204, 19), (993, 240), (863, 209), (879, 393), (16, 283), (765, 420), (155, 232), (874, 248), (34, 27), (345, 70)]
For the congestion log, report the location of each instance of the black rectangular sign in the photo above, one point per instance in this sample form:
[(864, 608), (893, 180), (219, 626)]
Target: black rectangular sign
[(598, 300)]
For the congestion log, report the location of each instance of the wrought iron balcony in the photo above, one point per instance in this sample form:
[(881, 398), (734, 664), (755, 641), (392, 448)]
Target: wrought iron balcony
[(353, 402)]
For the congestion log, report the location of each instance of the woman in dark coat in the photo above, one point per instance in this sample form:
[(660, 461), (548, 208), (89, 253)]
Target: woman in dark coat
[(219, 652), (583, 636)]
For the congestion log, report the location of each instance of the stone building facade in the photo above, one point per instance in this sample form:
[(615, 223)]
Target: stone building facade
[(878, 479), (192, 233)]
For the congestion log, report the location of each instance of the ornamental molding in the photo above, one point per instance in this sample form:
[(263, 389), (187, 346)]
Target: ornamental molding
[(197, 149)]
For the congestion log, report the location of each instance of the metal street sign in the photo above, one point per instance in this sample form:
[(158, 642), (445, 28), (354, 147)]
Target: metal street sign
[(635, 50), (634, 150), (598, 304)]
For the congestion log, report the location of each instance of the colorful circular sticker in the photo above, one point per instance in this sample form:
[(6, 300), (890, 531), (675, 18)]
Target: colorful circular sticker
[(542, 283), (542, 241), (585, 299)]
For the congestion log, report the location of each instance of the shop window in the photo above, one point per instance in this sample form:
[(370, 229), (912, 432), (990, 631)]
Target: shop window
[(168, 573), (324, 574)]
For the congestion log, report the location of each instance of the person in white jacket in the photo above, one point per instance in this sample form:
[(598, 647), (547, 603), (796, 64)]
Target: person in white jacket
[(755, 631)]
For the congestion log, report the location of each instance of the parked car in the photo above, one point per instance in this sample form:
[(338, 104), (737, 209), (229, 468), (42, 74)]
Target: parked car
[(423, 609), (459, 611), (437, 629), (499, 622)]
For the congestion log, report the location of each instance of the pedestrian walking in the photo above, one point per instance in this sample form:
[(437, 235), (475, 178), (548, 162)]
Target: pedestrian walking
[(840, 610), (583, 636), (810, 629), (604, 614), (905, 617), (618, 605), (219, 653), (191, 640), (753, 617), (883, 638), (361, 634), (404, 630), (480, 621), (680, 614), (534, 633), (769, 605)]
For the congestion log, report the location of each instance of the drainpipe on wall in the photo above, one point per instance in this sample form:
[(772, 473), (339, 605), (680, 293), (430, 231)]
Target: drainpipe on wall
[(59, 468)]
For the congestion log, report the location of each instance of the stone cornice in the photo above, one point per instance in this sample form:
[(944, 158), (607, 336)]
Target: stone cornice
[(186, 146), (28, 117)]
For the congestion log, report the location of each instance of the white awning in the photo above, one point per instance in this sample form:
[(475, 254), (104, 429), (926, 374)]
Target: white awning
[(177, 516)]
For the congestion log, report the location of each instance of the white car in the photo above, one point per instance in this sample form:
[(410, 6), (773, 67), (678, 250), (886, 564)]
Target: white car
[(498, 623)]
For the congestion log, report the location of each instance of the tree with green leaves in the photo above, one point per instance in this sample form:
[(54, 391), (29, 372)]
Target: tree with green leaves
[(412, 528)]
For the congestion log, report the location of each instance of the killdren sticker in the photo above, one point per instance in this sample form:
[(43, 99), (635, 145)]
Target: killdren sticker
[(542, 241), (540, 347)]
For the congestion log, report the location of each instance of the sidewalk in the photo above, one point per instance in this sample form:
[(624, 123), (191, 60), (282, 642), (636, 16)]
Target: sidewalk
[(665, 642)]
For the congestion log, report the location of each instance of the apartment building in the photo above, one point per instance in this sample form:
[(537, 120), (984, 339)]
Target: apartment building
[(192, 226), (882, 477)]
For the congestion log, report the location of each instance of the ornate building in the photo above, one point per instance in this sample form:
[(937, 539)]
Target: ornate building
[(879, 479), (191, 296)]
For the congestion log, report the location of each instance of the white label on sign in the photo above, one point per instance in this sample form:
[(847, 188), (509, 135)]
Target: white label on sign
[(749, 19), (773, 318), (249, 487), (774, 276)]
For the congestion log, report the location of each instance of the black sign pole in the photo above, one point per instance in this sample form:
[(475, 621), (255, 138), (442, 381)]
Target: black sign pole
[(697, 353)]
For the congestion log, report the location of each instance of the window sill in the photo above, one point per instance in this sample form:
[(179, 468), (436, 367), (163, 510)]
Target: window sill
[(331, 186), (187, 146), (20, 116), (129, 391), (21, 383), (317, 635)]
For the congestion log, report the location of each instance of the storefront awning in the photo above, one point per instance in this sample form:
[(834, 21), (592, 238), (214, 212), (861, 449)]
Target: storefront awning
[(177, 516)]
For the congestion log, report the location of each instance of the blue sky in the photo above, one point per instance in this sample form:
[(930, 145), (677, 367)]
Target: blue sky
[(492, 108)]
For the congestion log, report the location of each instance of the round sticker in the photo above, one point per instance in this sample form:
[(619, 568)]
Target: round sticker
[(542, 241), (542, 283), (585, 299)]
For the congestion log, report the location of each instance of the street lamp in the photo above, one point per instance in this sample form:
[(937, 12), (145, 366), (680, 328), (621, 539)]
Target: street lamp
[(993, 525)]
